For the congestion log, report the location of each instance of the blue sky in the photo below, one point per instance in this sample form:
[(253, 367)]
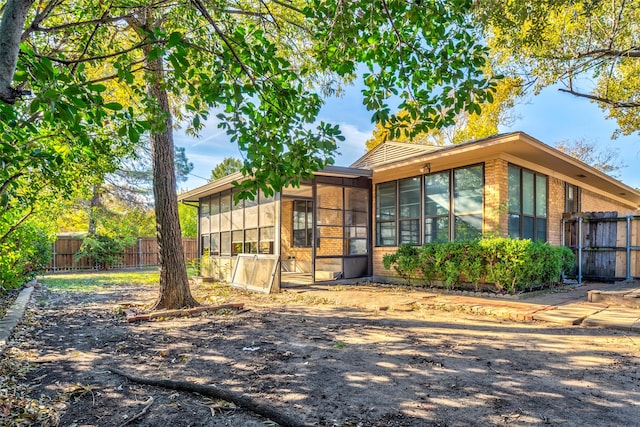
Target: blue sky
[(551, 116)]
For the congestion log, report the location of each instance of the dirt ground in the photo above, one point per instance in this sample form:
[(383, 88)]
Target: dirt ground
[(321, 364)]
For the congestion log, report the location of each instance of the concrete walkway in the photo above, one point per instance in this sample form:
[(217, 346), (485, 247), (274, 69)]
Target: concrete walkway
[(567, 306)]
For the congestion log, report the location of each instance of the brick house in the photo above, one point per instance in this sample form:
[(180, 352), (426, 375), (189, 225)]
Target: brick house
[(341, 223)]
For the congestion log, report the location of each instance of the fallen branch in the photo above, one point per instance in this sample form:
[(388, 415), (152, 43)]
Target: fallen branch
[(132, 316), (139, 414), (240, 400)]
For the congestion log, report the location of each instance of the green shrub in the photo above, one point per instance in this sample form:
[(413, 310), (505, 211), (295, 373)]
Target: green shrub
[(105, 251), (24, 253), (405, 261), (511, 265)]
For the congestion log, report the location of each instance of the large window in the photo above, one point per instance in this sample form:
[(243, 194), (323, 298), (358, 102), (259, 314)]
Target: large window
[(527, 204), (302, 223), (437, 207)]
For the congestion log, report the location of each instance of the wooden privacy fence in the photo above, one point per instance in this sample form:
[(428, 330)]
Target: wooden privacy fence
[(606, 244), (142, 254)]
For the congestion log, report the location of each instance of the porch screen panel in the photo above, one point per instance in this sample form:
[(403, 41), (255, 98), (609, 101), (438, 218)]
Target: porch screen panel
[(267, 237), (386, 214), (204, 215), (225, 212), (468, 191), (356, 220), (329, 220), (409, 210), (214, 221), (237, 214), (436, 207)]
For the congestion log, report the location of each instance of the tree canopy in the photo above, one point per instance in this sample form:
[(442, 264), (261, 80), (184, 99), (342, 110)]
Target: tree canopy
[(467, 126), (227, 166), (590, 48)]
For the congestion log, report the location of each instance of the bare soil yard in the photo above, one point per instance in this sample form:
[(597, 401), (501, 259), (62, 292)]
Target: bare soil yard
[(321, 364)]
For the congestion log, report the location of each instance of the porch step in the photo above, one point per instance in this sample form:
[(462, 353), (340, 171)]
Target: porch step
[(623, 298), (328, 275)]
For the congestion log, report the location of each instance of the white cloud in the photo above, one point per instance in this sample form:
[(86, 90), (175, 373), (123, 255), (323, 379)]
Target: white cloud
[(353, 147)]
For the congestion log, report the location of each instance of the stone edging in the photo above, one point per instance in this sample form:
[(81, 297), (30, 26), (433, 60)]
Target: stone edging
[(13, 316)]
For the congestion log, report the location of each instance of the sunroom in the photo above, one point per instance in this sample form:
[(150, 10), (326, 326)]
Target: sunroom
[(319, 231)]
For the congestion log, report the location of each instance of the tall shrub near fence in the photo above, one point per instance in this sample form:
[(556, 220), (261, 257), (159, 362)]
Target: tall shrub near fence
[(510, 265)]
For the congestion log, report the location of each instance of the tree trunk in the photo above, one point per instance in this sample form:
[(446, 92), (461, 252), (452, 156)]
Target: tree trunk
[(11, 27), (94, 205), (174, 285)]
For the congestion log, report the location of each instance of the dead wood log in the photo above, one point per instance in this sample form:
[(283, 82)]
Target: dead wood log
[(133, 317), (241, 400)]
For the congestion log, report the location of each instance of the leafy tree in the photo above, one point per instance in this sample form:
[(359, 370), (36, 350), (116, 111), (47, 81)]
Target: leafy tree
[(467, 126), (228, 166), (188, 220), (590, 48), (607, 161), (265, 66)]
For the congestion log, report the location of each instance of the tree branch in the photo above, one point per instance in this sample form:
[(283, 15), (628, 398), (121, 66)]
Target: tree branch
[(615, 104), (16, 225), (200, 7), (95, 58), (243, 400)]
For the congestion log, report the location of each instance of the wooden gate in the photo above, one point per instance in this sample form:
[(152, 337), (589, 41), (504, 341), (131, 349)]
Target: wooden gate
[(605, 244)]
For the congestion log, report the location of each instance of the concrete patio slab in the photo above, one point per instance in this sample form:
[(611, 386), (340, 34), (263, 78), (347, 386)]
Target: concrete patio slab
[(615, 318), (570, 314)]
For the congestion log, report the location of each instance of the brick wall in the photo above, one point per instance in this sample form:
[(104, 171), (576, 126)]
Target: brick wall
[(593, 202), (496, 191), (555, 209)]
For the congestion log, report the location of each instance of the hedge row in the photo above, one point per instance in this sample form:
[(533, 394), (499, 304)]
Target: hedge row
[(511, 265)]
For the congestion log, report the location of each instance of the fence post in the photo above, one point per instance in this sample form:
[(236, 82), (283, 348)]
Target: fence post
[(580, 250), (628, 267), (139, 253), (54, 253)]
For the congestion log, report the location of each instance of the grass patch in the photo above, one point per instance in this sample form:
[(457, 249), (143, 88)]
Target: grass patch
[(91, 281)]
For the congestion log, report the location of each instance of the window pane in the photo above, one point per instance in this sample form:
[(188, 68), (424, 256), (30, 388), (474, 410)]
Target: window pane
[(357, 246), (204, 225), (409, 201), (468, 227), (386, 233), (514, 226), (225, 212), (410, 231), (205, 244), (237, 242), (329, 196), (215, 204), (266, 240), (386, 201), (436, 187), (541, 196), (436, 229), (467, 190), (251, 217), (267, 214), (251, 241), (215, 244), (225, 243), (215, 223), (541, 229), (514, 189), (357, 199), (527, 227), (205, 207), (527, 193)]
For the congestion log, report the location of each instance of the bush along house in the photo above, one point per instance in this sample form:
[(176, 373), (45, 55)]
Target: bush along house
[(340, 224)]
